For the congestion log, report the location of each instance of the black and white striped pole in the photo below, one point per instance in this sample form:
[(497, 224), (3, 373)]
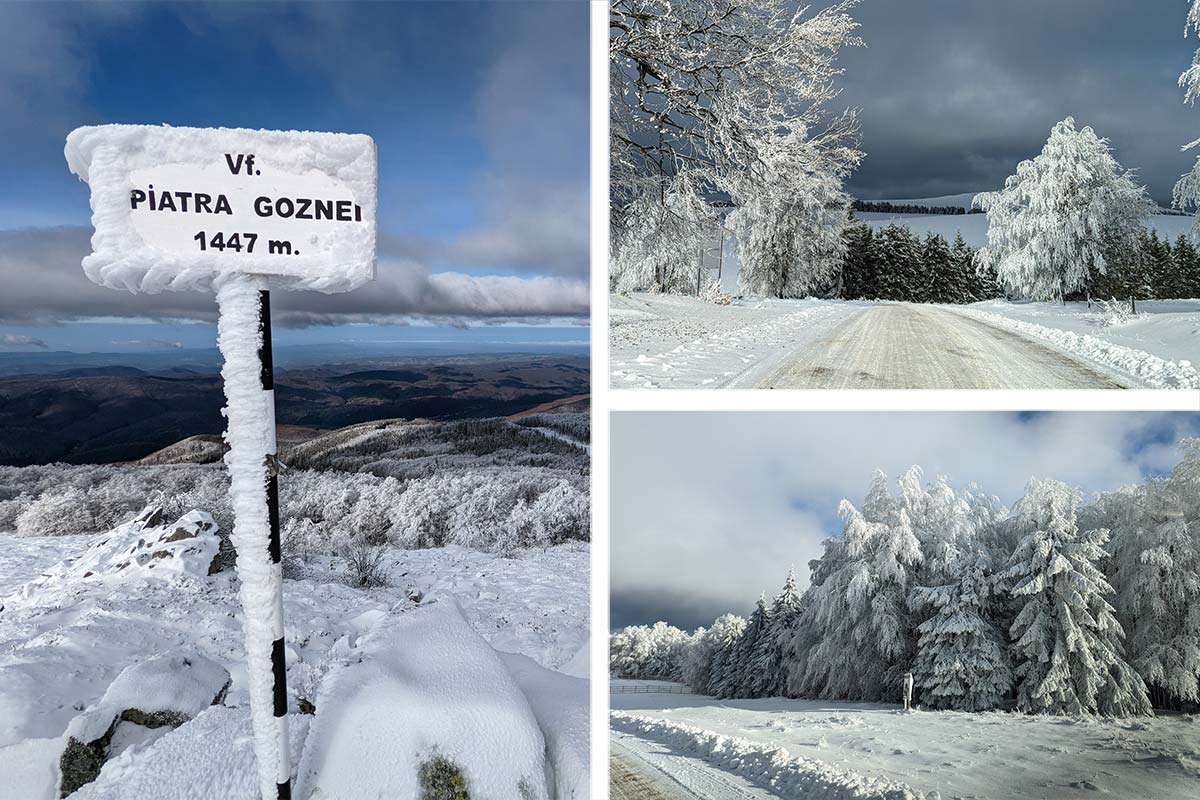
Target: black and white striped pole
[(244, 336), (279, 694)]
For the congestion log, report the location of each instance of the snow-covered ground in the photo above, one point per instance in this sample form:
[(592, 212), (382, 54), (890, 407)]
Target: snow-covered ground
[(953, 754), (669, 341), (63, 642)]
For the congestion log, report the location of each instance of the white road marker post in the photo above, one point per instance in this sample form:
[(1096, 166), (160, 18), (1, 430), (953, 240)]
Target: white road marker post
[(237, 211)]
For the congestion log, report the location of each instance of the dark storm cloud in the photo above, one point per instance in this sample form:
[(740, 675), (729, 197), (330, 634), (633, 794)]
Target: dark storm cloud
[(688, 612), (954, 94)]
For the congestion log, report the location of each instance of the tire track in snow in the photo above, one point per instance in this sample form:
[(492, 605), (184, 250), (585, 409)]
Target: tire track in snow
[(642, 770)]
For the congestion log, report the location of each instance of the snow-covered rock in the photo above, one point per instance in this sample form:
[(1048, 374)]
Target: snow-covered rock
[(425, 686), (147, 546), (209, 758), (163, 691), (560, 703)]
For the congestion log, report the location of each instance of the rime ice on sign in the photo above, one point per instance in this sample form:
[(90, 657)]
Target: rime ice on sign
[(174, 208), (237, 211)]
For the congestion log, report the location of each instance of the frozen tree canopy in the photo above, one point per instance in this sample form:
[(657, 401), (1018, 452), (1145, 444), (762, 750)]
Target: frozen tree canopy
[(1054, 607), (1058, 217), (1187, 190), (725, 100)]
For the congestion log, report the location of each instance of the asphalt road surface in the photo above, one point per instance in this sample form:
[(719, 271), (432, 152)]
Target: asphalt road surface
[(901, 346)]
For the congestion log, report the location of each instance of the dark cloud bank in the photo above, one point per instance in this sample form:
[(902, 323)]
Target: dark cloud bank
[(954, 94)]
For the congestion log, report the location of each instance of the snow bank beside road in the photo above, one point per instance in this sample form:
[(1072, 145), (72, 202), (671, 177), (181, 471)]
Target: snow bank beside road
[(772, 768), (1148, 369)]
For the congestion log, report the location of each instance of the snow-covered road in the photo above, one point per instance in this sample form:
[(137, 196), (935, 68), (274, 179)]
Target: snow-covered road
[(675, 342), (905, 346), (642, 770)]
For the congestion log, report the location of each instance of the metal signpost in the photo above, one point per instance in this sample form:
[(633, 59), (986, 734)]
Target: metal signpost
[(236, 212)]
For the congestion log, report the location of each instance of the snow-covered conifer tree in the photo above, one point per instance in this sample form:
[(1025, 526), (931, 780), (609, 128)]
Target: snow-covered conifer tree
[(697, 661), (739, 675), (939, 283), (768, 668), (1067, 646), (1155, 568), (962, 657), (1060, 214), (855, 639), (858, 265), (724, 635)]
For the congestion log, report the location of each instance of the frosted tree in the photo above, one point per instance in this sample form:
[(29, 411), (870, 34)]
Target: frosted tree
[(1155, 568), (1057, 217), (650, 652), (767, 663), (1187, 190), (790, 223), (697, 661), (710, 87), (855, 639), (724, 635), (651, 243), (1067, 646), (738, 676), (962, 660)]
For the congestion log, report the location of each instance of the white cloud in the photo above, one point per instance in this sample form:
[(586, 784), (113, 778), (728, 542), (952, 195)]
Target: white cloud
[(43, 281), (20, 340)]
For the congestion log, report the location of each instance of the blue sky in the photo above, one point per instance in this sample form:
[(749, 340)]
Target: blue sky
[(709, 509), (479, 111)]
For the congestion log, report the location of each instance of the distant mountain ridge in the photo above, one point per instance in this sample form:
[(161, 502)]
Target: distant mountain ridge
[(117, 414)]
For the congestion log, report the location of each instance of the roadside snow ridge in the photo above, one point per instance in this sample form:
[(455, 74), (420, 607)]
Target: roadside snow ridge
[(1153, 371), (772, 768)]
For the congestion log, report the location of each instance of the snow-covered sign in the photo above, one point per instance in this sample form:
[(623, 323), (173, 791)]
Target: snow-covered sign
[(173, 208), (240, 212)]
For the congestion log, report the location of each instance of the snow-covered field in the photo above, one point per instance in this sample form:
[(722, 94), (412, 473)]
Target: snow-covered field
[(62, 642), (669, 341), (953, 754)]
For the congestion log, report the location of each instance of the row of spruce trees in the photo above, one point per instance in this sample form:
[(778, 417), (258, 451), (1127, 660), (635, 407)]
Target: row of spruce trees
[(1051, 606), (892, 263)]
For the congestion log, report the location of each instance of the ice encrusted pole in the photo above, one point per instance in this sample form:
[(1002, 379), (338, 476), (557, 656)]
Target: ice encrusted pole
[(244, 336)]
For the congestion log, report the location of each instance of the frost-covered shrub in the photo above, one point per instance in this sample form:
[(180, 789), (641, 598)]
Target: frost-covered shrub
[(490, 510), (1111, 313), (364, 564), (58, 513), (492, 485), (714, 295), (10, 509)]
